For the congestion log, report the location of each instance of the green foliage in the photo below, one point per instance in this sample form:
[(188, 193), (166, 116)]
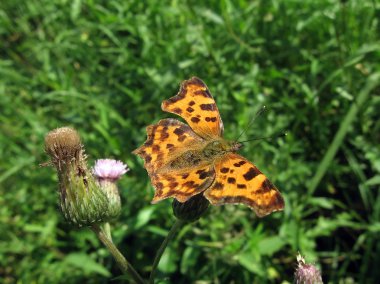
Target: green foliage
[(103, 67)]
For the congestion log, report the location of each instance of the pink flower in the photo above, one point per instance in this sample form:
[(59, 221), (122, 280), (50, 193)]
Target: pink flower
[(109, 169), (306, 273)]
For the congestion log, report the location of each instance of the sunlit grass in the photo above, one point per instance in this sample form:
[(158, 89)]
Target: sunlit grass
[(104, 68)]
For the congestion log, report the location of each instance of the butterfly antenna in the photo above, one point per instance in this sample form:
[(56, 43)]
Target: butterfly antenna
[(283, 134), (252, 120)]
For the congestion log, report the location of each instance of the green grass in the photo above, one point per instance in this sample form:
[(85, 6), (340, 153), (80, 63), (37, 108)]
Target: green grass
[(104, 67)]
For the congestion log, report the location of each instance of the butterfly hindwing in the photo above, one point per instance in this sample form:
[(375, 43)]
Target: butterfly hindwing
[(182, 184), (195, 104), (239, 181)]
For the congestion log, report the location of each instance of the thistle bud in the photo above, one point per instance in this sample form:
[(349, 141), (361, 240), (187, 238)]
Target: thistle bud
[(306, 273), (82, 202), (107, 172), (192, 209)]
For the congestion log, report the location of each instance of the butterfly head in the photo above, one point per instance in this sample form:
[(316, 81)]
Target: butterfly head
[(235, 146)]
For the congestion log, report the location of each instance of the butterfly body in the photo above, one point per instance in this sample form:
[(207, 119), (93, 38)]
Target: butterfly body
[(207, 153), (218, 148), (184, 160)]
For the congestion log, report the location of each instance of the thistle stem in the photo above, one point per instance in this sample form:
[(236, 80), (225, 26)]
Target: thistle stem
[(123, 264), (178, 223)]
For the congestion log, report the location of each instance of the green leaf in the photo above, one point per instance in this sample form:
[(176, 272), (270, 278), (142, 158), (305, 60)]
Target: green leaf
[(270, 245), (375, 227), (250, 262), (189, 259), (86, 263), (75, 9), (168, 261), (373, 181), (144, 216), (322, 202), (211, 15)]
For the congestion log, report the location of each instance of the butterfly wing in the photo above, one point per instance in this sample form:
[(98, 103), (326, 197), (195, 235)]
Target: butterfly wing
[(167, 143), (239, 181), (166, 140), (182, 184), (195, 104)]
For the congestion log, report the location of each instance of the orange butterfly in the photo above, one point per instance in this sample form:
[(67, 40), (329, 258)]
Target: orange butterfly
[(184, 160)]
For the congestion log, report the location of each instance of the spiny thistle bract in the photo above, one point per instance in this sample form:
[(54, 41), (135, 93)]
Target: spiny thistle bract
[(82, 201)]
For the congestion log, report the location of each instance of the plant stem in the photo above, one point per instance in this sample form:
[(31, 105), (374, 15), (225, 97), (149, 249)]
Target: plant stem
[(178, 223), (123, 264), (106, 228)]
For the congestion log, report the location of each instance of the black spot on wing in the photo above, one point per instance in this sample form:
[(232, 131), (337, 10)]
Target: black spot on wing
[(148, 143), (251, 173), (231, 180), (175, 99), (164, 136), (185, 176), (177, 110), (181, 138), (210, 119), (265, 187), (224, 170), (203, 93), (173, 185), (208, 107), (178, 131), (195, 119), (190, 184), (155, 148), (164, 133), (203, 174), (218, 186), (239, 164), (159, 185)]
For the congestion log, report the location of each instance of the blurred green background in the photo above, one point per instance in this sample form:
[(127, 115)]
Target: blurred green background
[(104, 67)]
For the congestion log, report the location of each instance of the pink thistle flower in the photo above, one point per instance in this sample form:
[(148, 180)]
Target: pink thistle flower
[(306, 273), (107, 172), (109, 169)]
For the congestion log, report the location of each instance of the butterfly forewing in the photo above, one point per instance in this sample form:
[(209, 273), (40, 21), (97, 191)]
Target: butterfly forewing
[(195, 104), (166, 140)]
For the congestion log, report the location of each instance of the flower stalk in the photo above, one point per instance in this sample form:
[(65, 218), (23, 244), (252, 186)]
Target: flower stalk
[(121, 261), (178, 223)]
